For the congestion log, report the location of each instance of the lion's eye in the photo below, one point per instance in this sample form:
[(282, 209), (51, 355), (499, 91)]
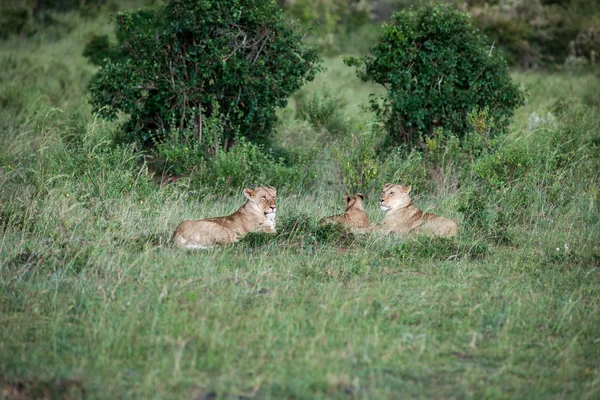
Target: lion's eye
[(391, 193), (264, 197)]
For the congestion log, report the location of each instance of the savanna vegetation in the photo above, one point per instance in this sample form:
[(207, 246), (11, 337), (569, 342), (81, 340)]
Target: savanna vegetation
[(94, 302)]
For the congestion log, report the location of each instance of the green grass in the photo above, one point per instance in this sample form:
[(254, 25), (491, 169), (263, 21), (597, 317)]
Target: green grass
[(94, 303)]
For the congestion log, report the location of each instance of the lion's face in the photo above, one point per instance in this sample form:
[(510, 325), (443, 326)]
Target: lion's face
[(394, 196), (354, 202), (263, 198)]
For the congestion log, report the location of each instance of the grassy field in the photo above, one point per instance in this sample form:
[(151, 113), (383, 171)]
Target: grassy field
[(95, 304)]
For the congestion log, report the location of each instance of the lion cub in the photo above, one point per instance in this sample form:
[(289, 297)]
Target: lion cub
[(403, 217), (257, 214), (354, 215)]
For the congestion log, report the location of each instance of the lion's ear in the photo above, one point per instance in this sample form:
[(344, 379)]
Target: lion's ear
[(360, 195), (407, 189), (249, 193), (346, 198)]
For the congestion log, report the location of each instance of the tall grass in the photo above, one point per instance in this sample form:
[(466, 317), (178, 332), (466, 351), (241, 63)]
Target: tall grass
[(95, 303)]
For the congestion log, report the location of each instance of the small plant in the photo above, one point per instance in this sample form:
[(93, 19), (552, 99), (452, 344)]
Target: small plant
[(251, 164), (334, 235), (500, 232), (178, 153), (477, 139), (411, 167), (507, 164), (473, 205), (357, 160), (442, 147), (436, 69)]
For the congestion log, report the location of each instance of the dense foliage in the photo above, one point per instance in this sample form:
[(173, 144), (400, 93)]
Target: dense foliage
[(190, 60), (436, 69)]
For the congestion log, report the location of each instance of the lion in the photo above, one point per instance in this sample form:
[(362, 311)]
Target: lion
[(354, 215), (403, 217), (256, 215)]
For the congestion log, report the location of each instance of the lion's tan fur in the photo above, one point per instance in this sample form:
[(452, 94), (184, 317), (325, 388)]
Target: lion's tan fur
[(404, 218), (354, 216), (256, 215)]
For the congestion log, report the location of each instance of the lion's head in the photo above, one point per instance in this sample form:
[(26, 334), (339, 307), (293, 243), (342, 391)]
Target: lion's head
[(394, 196), (354, 202), (263, 200)]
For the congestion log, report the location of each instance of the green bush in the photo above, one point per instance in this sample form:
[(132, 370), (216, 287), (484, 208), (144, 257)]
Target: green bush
[(357, 161), (408, 168), (509, 163), (436, 69), (187, 59), (250, 164)]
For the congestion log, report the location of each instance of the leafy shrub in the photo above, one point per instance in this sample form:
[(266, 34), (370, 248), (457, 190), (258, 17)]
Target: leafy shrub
[(182, 152), (499, 168), (473, 205), (250, 164), (357, 160), (436, 69), (440, 145), (187, 59), (398, 166), (179, 153)]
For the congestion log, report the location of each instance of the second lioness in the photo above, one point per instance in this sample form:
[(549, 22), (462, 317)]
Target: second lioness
[(354, 216), (403, 217), (257, 214)]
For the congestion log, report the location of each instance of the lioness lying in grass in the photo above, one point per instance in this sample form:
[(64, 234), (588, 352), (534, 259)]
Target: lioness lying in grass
[(404, 218), (257, 214), (354, 216)]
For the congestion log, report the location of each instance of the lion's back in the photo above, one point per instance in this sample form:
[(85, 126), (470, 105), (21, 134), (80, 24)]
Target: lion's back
[(357, 218), (202, 234), (419, 222), (442, 226)]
